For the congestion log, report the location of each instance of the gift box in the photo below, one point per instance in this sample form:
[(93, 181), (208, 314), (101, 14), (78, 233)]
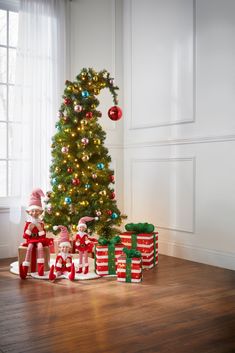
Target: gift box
[(33, 264), (106, 255), (146, 243), (129, 266)]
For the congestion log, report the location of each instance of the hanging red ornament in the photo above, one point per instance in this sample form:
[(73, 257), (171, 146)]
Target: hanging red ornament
[(115, 113), (112, 195), (109, 212), (70, 170)]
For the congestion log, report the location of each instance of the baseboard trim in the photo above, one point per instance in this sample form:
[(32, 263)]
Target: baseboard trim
[(198, 254)]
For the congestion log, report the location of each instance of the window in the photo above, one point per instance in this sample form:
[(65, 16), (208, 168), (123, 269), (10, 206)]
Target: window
[(8, 44)]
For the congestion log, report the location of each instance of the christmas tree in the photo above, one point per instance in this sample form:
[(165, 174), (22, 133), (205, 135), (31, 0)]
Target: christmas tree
[(81, 179)]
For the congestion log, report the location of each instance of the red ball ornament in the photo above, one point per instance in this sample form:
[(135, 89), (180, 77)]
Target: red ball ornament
[(89, 115), (112, 195), (109, 212), (75, 181), (115, 113), (111, 178), (69, 170), (67, 101)]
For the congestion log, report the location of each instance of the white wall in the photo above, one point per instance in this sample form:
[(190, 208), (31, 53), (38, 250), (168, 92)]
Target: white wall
[(96, 41), (179, 85)]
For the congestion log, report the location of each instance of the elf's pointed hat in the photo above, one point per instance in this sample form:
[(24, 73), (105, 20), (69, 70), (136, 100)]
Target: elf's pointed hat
[(35, 200), (64, 236), (82, 221)]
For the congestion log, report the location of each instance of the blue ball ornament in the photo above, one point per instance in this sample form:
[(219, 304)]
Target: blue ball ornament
[(85, 94), (54, 181), (67, 200), (114, 215), (100, 166), (87, 186), (58, 127)]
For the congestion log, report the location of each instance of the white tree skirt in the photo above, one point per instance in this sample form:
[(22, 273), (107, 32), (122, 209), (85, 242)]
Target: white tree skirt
[(14, 268)]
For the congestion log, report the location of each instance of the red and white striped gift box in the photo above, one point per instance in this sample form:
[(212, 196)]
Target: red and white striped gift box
[(146, 243), (133, 274), (106, 262)]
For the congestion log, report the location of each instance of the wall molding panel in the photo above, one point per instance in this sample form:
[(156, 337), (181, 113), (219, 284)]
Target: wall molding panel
[(199, 254), (183, 141), (168, 81), (163, 191)]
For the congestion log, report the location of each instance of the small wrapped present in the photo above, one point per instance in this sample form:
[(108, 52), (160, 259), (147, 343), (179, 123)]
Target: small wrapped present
[(106, 255), (141, 237), (129, 266)]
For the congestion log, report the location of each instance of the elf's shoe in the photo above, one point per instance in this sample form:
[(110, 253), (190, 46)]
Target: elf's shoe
[(25, 266), (40, 267), (80, 269), (72, 273), (22, 272), (86, 269), (52, 275)]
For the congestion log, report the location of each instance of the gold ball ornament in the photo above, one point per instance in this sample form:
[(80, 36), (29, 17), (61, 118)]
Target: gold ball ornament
[(85, 158), (97, 141)]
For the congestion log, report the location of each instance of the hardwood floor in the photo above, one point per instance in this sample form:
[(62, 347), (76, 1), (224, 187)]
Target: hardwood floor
[(180, 307)]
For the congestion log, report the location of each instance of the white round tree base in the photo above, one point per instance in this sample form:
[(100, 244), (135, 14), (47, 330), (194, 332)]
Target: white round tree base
[(14, 268)]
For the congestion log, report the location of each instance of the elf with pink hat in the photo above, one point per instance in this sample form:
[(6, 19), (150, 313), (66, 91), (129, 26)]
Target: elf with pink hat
[(34, 233), (63, 263), (82, 243)]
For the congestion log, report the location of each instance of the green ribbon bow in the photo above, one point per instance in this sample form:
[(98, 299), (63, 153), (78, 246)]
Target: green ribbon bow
[(114, 240), (130, 253), (139, 227)]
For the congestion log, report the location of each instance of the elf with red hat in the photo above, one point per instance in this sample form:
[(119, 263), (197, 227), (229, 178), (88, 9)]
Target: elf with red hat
[(34, 233), (63, 262), (82, 243)]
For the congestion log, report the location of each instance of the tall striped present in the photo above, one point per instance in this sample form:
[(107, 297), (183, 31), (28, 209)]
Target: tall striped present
[(145, 242)]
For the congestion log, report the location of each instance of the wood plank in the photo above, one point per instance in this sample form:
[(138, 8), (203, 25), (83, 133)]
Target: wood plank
[(180, 307)]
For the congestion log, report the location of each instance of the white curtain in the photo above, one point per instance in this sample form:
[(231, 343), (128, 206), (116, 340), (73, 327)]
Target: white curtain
[(41, 69)]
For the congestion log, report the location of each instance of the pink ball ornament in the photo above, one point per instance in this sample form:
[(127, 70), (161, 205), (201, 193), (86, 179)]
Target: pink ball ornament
[(85, 141), (78, 108), (64, 149), (115, 113)]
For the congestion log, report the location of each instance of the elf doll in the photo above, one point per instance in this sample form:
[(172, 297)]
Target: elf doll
[(82, 243), (34, 233), (63, 263)]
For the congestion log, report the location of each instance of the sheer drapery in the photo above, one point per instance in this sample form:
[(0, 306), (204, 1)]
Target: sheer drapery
[(41, 69)]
